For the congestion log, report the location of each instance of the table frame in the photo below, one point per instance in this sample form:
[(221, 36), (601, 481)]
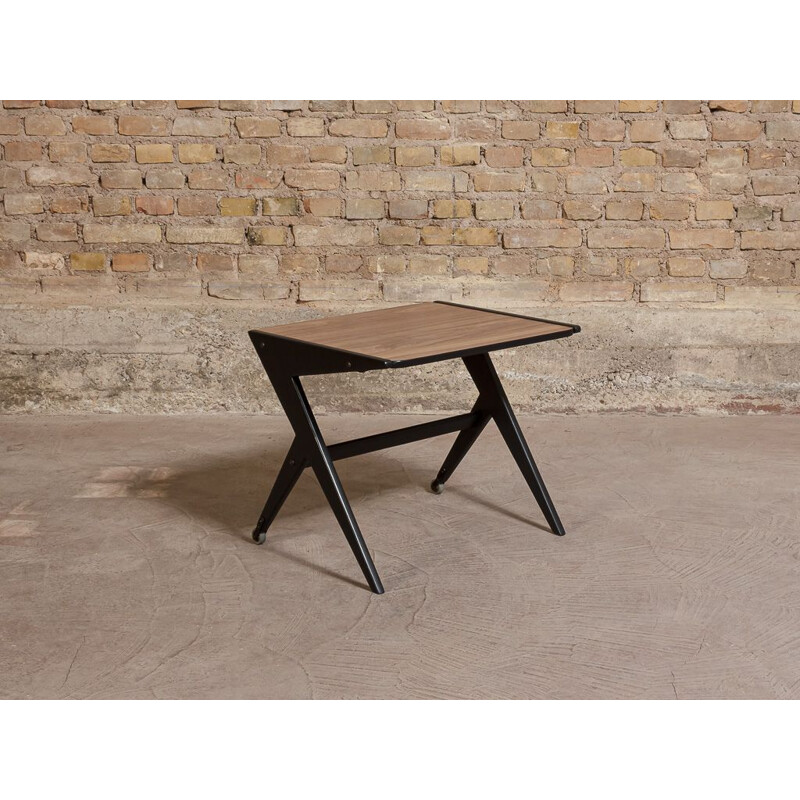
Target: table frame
[(286, 360)]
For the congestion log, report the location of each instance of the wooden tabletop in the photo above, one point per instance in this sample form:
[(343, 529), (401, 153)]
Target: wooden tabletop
[(421, 331)]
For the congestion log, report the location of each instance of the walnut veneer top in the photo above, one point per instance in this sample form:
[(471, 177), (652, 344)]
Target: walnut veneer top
[(423, 330)]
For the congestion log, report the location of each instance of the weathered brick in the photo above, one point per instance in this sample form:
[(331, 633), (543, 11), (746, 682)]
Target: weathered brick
[(783, 130), (252, 263), (364, 208), (93, 262), (515, 264), (471, 265), (361, 128), (518, 293), (196, 153), (640, 267), (154, 153), (645, 238), (452, 209), (714, 209), (10, 126), (67, 152), (728, 182), (121, 179), (190, 104), (200, 126), (23, 204), (682, 106), (504, 156), (414, 105), (789, 213), (435, 181), (582, 209), (678, 292), (595, 106), (413, 156), (727, 268), (751, 212), (201, 234), (215, 262), (21, 103), (638, 157), (562, 129), (22, 151), (281, 206), (112, 234), (110, 153), (154, 205), (774, 184), (258, 127), (237, 105), (625, 209), (688, 129), (669, 209), (701, 239), (544, 182), (596, 291), (111, 205), (387, 264), (519, 129), (543, 106), (143, 126), (594, 157), (461, 106), (770, 240), (549, 157), (398, 235), (35, 260), (764, 158), (165, 179), (306, 126), (762, 297), (337, 154), (373, 106), (237, 206), (337, 106), (737, 106), (540, 209), (638, 106), (323, 206), (601, 265), (94, 126), (252, 179), (460, 154), (337, 235), (499, 181), (312, 179), (57, 232), (479, 128), (422, 129), (60, 176), (343, 263), (673, 157), (241, 154), (197, 206), (408, 209), (131, 262), (337, 290), (686, 267), (646, 130), (606, 130), (681, 183), (728, 158), (735, 130), (365, 155), (542, 237), (494, 209), (586, 183), (636, 182), (429, 265), (44, 125)]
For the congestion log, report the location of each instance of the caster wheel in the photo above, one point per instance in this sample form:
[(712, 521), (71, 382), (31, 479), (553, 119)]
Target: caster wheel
[(436, 487), (259, 537)]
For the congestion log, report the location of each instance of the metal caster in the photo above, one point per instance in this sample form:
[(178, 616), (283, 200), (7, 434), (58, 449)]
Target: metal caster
[(437, 487), (259, 537)]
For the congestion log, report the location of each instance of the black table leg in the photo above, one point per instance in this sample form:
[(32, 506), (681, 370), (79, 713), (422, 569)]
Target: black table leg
[(464, 441), (311, 448), (493, 398), (293, 466)]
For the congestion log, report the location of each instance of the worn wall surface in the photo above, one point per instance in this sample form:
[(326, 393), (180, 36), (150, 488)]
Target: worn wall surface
[(140, 239)]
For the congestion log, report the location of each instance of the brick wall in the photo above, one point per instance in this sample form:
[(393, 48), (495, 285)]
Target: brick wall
[(287, 204)]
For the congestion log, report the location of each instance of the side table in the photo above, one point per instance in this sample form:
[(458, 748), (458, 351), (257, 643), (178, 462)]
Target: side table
[(400, 336)]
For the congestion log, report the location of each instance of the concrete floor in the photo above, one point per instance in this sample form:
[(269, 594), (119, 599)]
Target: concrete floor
[(127, 570)]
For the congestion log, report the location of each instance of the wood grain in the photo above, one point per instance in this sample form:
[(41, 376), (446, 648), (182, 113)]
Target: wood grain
[(405, 333)]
